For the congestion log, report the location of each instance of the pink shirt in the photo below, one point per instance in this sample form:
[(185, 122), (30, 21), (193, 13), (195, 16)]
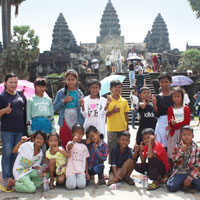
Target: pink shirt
[(77, 162)]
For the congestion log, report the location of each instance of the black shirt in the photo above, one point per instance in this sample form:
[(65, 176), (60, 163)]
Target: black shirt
[(131, 67), (163, 103), (147, 120), (13, 122), (118, 158)]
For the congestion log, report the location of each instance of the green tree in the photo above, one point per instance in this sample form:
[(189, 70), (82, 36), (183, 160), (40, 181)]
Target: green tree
[(21, 52), (195, 4), (190, 60), (6, 18)]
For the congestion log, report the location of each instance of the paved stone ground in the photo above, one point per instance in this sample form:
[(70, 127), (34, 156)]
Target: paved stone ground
[(94, 191)]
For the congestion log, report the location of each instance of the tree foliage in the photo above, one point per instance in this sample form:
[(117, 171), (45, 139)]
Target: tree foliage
[(21, 52), (195, 4), (190, 60)]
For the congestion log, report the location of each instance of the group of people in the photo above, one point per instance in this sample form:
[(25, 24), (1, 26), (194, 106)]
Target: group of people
[(79, 151)]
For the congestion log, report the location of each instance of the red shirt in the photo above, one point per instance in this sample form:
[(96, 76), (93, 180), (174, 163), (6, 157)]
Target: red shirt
[(161, 154)]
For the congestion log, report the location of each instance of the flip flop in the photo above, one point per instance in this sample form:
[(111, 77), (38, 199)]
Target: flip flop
[(130, 181), (4, 189), (153, 186)]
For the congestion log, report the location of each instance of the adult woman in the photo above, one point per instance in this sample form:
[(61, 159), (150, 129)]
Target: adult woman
[(12, 107)]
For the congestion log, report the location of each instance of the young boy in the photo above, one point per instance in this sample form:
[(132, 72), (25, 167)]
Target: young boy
[(122, 161), (40, 115), (146, 112), (117, 115), (186, 161), (157, 165), (140, 80)]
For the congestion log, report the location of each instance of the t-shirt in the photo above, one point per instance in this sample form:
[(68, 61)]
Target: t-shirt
[(118, 158), (117, 121), (140, 79), (26, 160), (74, 102), (147, 117), (163, 103), (179, 114), (61, 161), (76, 163), (93, 112), (15, 121), (161, 154), (39, 107)]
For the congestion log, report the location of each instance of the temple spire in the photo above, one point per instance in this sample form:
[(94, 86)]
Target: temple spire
[(157, 39), (109, 23)]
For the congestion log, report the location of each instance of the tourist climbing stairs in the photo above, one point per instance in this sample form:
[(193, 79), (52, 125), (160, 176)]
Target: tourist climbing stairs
[(126, 91)]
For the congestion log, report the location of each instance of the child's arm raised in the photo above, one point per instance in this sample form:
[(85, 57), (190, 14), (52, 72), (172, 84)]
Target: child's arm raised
[(142, 158), (23, 139), (150, 146), (63, 151), (102, 153), (70, 146)]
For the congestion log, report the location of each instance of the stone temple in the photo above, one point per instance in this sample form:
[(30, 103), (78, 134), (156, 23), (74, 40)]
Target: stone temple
[(157, 40), (110, 26)]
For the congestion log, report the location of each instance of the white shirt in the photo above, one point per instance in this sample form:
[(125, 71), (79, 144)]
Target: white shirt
[(179, 114), (186, 99), (134, 101), (26, 160)]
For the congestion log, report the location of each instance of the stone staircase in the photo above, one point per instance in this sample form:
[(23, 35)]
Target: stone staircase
[(126, 91)]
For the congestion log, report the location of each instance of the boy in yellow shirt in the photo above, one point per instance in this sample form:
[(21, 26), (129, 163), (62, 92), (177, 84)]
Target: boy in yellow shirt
[(117, 115)]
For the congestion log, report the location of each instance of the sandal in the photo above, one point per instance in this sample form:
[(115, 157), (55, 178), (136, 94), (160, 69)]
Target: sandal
[(4, 189), (130, 181), (102, 182), (51, 184), (153, 186)]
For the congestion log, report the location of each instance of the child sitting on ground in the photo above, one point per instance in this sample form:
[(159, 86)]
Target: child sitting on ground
[(77, 168), (122, 161), (98, 150), (157, 165), (56, 159), (28, 161), (186, 161), (146, 113)]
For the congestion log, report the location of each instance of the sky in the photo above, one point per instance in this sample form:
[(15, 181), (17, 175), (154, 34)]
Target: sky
[(84, 16)]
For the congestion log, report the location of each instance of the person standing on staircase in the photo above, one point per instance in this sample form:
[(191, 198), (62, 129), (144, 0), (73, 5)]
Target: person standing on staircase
[(140, 80), (131, 75), (134, 106)]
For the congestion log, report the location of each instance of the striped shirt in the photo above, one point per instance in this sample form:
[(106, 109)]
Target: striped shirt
[(193, 162), (97, 156)]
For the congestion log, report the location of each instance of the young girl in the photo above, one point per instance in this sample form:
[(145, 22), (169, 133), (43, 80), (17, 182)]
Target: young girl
[(27, 164), (98, 153), (67, 102), (94, 107), (77, 168), (56, 159), (161, 103), (40, 115), (178, 116)]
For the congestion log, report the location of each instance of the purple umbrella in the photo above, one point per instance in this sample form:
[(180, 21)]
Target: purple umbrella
[(181, 80)]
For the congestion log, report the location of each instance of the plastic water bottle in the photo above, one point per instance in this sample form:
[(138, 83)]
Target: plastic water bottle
[(145, 180), (114, 186), (45, 184)]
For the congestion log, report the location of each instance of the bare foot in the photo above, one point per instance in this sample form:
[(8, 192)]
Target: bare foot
[(11, 183)]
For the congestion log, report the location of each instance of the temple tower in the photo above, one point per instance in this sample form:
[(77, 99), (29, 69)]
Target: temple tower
[(63, 39), (110, 27), (157, 40)]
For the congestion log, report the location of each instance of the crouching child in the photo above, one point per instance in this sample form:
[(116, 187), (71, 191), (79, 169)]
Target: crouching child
[(122, 161), (186, 161), (98, 150), (157, 165)]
